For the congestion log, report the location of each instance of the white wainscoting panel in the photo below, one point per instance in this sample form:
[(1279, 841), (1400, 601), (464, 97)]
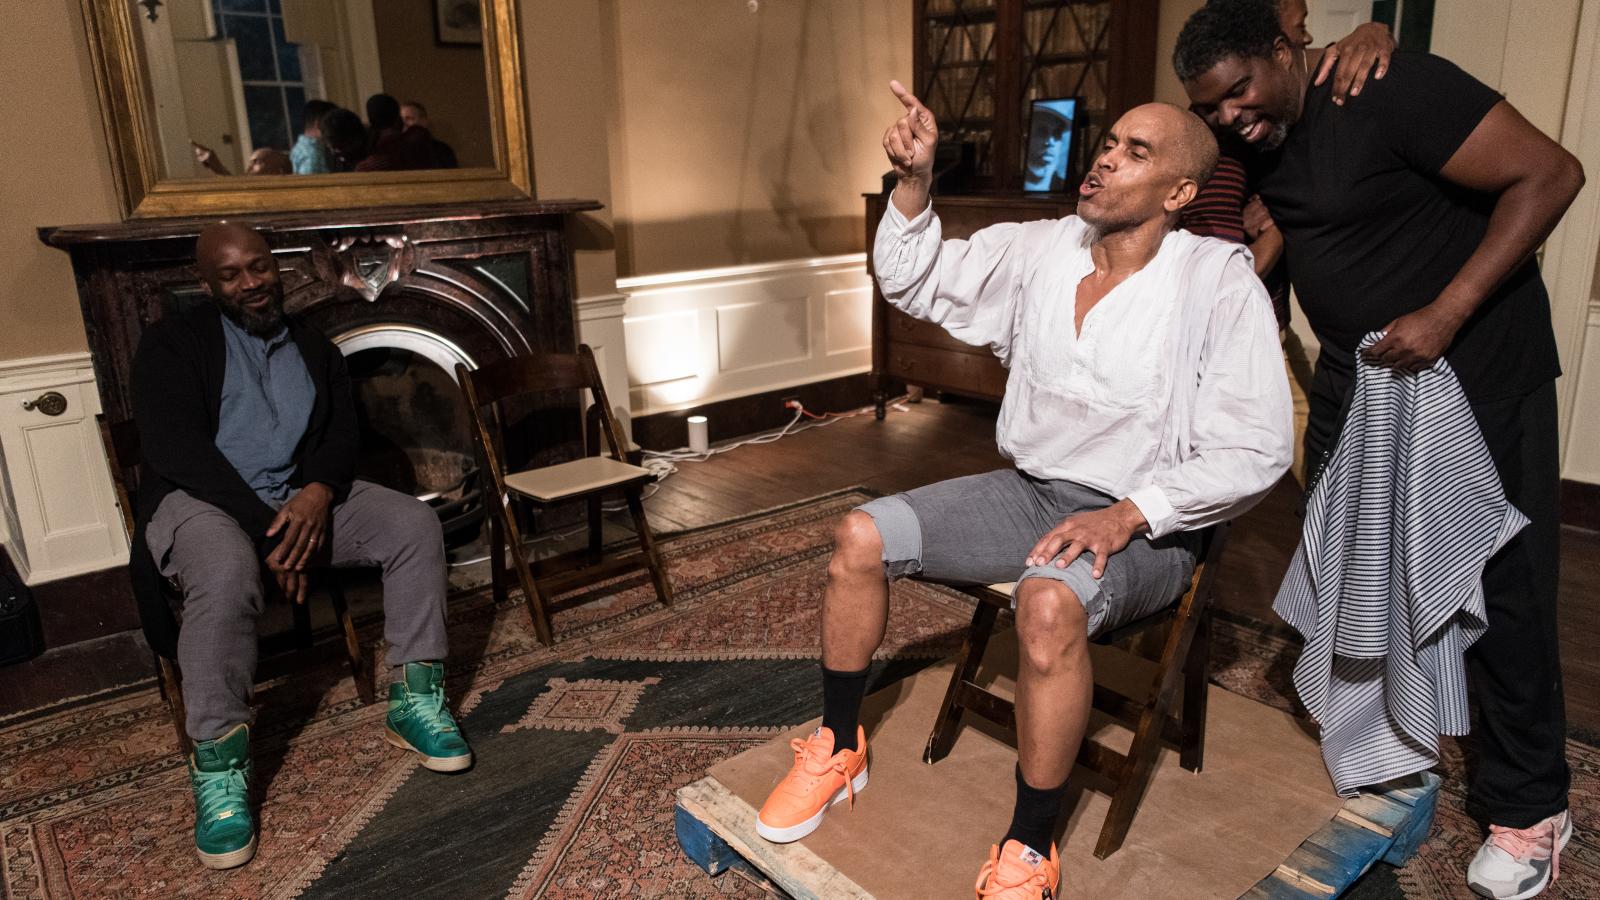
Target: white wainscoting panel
[(1582, 461), (708, 335), (600, 326), (767, 333), (849, 320), (62, 513)]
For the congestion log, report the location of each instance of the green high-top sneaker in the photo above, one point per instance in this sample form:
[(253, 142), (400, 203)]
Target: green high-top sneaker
[(418, 719), (219, 772)]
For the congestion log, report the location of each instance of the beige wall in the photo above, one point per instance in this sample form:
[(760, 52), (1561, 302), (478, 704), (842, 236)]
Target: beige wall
[(1168, 23), (750, 136), (56, 172), (566, 44), (448, 79)]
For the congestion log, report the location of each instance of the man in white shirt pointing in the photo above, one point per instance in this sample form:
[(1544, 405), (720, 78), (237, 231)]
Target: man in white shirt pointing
[(1146, 399)]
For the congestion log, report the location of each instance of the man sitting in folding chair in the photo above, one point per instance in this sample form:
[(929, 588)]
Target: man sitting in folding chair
[(1146, 399), (249, 440)]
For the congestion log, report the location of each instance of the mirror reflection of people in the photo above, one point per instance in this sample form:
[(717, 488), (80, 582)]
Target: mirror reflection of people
[(310, 154), (249, 437), (394, 147), (346, 138), (415, 115), (1049, 141), (263, 161)]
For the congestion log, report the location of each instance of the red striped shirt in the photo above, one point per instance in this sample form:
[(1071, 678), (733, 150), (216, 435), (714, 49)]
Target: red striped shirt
[(1218, 211)]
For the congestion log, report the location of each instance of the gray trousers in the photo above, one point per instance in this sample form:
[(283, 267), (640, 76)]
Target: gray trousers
[(216, 567), (979, 529)]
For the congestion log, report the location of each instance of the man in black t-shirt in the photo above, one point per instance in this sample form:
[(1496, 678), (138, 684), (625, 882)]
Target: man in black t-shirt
[(1415, 209)]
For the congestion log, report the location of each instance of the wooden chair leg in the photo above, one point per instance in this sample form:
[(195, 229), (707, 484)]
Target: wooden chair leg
[(1146, 744), (1196, 678), (596, 528), (361, 668), (537, 609), (497, 553), (302, 626), (948, 723), (172, 690), (652, 554)]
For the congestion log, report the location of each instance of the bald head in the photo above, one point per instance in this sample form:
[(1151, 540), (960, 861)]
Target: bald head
[(1192, 148), (224, 239), (1154, 160), (240, 273)]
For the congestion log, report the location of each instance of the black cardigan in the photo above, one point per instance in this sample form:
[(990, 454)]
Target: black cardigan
[(177, 401)]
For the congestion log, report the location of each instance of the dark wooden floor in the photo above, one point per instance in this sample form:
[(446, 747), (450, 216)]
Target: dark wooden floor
[(932, 441)]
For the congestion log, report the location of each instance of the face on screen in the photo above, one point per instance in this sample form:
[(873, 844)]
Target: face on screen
[(1049, 145)]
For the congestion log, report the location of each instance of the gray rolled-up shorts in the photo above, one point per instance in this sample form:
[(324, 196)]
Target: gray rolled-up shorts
[(980, 528)]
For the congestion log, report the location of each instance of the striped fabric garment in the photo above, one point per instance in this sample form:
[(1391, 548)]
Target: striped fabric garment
[(1386, 585)]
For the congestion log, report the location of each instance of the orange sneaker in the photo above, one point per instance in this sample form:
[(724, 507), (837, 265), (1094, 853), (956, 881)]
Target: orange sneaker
[(1016, 872), (819, 779)]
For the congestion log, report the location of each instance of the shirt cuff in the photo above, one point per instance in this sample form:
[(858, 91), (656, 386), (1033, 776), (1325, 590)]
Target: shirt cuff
[(915, 224), (1157, 512)]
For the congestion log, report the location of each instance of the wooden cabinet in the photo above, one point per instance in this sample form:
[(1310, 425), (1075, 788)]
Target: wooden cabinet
[(921, 353), (978, 65)]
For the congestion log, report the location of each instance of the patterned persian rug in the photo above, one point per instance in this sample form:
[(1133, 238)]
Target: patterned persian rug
[(579, 747)]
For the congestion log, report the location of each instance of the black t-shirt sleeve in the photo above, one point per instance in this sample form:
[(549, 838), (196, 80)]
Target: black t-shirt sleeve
[(1426, 107)]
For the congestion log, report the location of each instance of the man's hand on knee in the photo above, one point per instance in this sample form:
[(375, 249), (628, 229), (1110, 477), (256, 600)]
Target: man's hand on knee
[(1101, 532), (292, 582), (303, 522)]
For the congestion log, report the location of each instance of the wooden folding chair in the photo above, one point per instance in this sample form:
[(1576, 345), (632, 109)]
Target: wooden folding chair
[(1184, 652), (588, 478), (121, 441)]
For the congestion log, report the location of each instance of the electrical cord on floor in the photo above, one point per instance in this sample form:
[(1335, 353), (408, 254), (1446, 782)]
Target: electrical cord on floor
[(663, 463), (794, 426)]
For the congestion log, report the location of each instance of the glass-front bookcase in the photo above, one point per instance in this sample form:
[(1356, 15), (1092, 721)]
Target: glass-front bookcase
[(979, 65)]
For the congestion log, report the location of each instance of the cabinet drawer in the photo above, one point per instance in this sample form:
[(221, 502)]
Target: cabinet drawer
[(963, 373), (905, 330)]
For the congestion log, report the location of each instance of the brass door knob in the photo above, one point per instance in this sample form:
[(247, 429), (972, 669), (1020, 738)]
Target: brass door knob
[(51, 403)]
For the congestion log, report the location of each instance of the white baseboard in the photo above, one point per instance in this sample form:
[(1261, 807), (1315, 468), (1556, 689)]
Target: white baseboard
[(57, 507), (702, 336)]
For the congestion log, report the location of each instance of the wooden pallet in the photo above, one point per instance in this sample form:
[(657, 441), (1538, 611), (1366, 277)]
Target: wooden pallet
[(1388, 824), (716, 830)]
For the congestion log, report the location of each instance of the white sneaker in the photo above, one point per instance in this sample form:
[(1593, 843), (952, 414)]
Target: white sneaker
[(1517, 863)]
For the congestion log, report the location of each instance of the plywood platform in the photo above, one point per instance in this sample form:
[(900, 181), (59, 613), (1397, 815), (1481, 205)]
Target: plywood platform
[(1261, 820)]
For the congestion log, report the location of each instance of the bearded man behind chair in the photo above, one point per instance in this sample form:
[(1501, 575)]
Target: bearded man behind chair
[(1415, 209), (1146, 399), (249, 439)]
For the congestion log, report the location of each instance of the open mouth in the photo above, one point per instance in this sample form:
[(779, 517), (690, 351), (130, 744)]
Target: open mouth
[(1254, 132), (1091, 185)]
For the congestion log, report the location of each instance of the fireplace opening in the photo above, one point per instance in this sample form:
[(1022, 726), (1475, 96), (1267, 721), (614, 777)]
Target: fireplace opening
[(415, 433)]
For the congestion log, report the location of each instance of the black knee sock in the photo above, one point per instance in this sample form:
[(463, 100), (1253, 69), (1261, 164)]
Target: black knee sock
[(841, 704), (1033, 820)]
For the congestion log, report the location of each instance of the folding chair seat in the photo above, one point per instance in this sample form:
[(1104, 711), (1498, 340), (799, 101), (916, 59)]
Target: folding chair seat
[(488, 390)]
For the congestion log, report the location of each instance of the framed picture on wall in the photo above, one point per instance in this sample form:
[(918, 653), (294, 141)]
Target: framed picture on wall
[(1051, 128), (458, 21)]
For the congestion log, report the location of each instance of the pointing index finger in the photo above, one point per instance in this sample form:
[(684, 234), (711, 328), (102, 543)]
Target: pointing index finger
[(906, 98)]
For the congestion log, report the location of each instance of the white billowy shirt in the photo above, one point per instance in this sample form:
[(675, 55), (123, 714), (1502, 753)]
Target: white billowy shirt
[(1174, 394)]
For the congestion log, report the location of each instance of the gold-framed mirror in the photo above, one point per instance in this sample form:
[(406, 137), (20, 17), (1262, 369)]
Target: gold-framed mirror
[(213, 107)]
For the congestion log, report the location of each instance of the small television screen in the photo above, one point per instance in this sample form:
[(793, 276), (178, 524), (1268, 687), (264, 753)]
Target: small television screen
[(1051, 125)]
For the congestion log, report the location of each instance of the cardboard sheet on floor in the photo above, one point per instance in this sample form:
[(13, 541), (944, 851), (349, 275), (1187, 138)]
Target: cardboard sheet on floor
[(923, 831)]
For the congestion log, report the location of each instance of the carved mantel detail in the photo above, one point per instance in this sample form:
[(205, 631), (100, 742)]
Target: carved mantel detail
[(493, 278)]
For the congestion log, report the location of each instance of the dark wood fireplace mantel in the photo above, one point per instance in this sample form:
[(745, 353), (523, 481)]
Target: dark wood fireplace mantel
[(493, 279)]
